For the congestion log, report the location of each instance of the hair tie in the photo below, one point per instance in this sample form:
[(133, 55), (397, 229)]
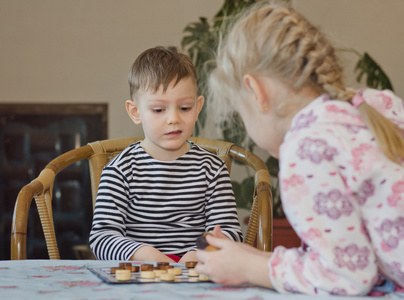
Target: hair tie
[(357, 100)]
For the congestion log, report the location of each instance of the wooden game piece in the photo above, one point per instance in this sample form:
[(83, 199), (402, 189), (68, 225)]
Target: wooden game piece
[(203, 277), (175, 271), (162, 263), (190, 264), (123, 265), (135, 269), (192, 273), (147, 274), (166, 267), (167, 277), (122, 275), (147, 267), (193, 279), (202, 243), (113, 270), (159, 272)]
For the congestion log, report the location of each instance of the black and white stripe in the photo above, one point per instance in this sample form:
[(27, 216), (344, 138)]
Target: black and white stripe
[(163, 204)]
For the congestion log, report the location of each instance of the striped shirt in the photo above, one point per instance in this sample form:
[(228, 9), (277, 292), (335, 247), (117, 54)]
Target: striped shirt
[(163, 204)]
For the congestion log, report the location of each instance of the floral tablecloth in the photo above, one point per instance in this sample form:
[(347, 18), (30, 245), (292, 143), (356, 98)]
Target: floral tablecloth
[(70, 279)]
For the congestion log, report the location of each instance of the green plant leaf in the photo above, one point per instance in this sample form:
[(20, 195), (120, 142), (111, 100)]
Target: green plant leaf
[(273, 166), (376, 77), (237, 194), (234, 131), (247, 192), (243, 192)]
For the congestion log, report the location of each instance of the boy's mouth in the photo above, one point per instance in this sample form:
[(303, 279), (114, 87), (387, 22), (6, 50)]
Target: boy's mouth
[(175, 132)]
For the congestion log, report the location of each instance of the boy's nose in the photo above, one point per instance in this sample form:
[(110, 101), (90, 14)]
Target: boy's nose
[(173, 117)]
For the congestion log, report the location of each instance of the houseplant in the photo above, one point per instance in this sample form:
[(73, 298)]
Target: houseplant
[(201, 39)]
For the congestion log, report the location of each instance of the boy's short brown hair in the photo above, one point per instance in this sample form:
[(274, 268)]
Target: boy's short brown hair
[(160, 66)]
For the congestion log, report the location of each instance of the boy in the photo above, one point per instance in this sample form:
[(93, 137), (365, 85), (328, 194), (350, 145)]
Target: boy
[(159, 194)]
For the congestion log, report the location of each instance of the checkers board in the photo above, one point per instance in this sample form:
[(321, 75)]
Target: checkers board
[(108, 274)]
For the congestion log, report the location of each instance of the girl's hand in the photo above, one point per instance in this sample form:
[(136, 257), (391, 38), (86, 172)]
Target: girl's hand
[(222, 266), (234, 263), (217, 232)]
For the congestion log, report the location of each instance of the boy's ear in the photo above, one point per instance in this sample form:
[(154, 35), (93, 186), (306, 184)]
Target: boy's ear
[(257, 88), (133, 112), (199, 104)]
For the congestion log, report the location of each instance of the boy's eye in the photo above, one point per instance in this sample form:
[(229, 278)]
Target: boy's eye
[(186, 108), (158, 110)]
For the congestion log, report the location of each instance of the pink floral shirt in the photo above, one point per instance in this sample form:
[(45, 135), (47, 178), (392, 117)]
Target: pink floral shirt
[(344, 199)]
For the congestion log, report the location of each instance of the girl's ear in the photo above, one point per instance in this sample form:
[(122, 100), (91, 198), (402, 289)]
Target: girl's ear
[(133, 111), (199, 104), (260, 94)]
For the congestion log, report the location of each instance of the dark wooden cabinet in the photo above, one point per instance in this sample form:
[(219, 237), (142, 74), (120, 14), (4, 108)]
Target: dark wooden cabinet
[(31, 135)]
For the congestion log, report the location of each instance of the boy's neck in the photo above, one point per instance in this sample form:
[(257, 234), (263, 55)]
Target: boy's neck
[(164, 154)]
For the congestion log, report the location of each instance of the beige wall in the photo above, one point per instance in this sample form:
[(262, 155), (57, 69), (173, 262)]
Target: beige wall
[(80, 50)]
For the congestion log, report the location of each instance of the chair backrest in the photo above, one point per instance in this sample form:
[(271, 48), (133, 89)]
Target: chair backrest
[(99, 153)]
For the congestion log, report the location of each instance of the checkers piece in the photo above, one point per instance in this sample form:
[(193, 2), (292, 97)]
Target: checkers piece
[(175, 271), (147, 274), (147, 267), (159, 272), (114, 269), (162, 263), (123, 265), (167, 277), (203, 277), (122, 275), (202, 243), (190, 264), (192, 273)]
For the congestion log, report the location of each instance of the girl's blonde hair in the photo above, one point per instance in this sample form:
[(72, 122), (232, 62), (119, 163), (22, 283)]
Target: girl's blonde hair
[(277, 41)]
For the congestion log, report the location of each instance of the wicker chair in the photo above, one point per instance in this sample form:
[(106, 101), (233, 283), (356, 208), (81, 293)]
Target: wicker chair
[(259, 232)]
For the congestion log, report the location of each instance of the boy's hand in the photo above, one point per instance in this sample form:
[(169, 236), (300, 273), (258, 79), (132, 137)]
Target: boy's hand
[(148, 253)]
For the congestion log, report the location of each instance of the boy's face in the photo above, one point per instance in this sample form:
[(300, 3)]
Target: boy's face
[(168, 119)]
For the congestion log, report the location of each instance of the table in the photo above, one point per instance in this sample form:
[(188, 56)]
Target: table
[(70, 279)]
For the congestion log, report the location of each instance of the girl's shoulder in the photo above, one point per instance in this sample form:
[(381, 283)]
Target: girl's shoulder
[(387, 103), (324, 110)]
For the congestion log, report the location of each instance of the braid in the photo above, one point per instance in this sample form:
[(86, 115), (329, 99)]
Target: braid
[(298, 52), (320, 68), (387, 134), (279, 42), (319, 65)]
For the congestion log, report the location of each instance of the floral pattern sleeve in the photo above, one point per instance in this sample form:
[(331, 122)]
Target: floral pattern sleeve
[(339, 257)]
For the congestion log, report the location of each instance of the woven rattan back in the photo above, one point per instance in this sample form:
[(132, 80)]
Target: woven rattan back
[(99, 153), (103, 152)]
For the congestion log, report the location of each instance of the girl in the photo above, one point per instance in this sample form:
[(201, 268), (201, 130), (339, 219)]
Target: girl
[(340, 153)]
